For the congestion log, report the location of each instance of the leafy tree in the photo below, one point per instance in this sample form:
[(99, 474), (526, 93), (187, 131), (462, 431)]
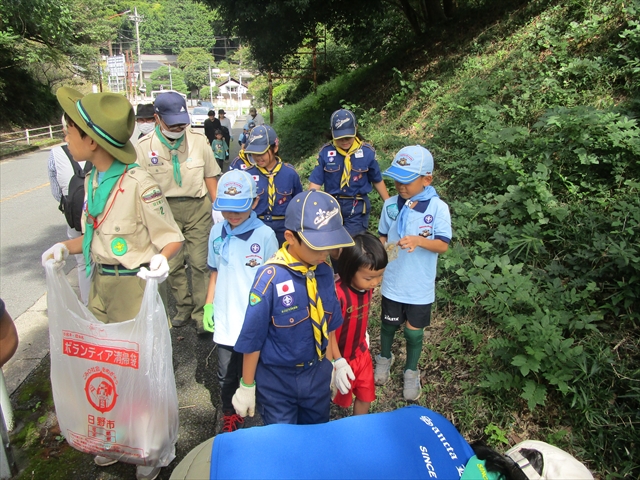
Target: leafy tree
[(195, 63), (165, 79)]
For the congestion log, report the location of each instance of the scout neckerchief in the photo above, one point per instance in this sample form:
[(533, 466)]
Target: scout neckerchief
[(245, 159), (318, 320), (97, 200), (346, 172), (248, 225), (424, 195), (271, 191), (173, 150)]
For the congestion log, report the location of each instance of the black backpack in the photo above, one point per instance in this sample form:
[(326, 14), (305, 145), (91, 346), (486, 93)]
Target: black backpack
[(71, 204)]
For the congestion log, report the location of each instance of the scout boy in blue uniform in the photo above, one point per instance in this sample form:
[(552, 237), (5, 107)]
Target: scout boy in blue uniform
[(291, 319), (278, 182), (348, 169), (237, 247)]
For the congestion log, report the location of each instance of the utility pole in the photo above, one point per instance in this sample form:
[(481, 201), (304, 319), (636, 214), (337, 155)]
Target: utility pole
[(210, 85), (137, 19), (170, 79), (240, 82)]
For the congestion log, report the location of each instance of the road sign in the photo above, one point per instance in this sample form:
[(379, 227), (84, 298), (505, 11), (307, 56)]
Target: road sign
[(116, 65)]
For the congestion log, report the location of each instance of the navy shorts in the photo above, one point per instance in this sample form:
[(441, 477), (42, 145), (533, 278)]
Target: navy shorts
[(355, 214), (396, 313), (294, 395)]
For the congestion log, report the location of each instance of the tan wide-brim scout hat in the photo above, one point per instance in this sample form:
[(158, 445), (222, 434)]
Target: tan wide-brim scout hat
[(107, 118)]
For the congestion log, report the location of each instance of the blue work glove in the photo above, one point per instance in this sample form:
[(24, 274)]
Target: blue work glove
[(207, 320)]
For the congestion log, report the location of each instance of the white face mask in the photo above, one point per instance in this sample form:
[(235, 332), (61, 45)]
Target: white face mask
[(146, 127), (172, 135)]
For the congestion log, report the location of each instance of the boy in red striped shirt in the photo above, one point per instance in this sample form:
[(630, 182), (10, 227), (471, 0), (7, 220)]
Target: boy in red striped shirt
[(360, 270)]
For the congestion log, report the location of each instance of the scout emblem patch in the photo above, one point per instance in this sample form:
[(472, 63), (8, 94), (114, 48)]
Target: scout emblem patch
[(428, 218), (254, 299), (285, 288), (392, 211), (216, 245), (119, 246), (287, 301)]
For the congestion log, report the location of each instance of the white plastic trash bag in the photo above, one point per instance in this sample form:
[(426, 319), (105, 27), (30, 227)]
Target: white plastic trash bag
[(113, 384)]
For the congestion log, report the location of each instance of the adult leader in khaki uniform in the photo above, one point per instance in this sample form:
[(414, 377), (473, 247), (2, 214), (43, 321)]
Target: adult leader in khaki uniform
[(182, 162), (129, 233)]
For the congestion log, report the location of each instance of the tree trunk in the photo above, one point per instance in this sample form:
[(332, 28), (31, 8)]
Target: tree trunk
[(411, 16), (450, 7), (435, 11)]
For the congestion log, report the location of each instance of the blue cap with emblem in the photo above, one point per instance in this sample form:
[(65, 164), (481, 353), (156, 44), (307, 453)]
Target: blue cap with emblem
[(260, 139), (410, 163), (236, 192), (171, 107), (343, 124), (316, 217)]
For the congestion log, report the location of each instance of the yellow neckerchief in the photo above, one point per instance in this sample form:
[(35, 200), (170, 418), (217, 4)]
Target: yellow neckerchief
[(245, 160), (316, 311), (272, 185), (346, 172)]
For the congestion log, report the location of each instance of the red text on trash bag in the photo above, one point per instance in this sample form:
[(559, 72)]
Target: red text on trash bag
[(115, 352)]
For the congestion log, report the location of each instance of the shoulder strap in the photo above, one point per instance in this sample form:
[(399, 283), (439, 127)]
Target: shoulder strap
[(75, 165)]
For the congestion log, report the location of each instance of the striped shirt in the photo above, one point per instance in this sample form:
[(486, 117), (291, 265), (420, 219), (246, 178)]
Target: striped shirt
[(355, 310)]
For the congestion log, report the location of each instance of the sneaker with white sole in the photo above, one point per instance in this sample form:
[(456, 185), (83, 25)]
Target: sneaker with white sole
[(383, 369), (147, 473), (104, 461), (412, 389)]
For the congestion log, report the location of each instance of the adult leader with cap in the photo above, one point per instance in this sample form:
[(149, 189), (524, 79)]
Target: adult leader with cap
[(348, 169), (278, 182), (411, 442), (255, 117), (129, 233), (182, 162), (145, 118)]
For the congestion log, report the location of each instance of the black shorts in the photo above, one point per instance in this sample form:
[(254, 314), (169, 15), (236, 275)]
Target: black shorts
[(396, 313)]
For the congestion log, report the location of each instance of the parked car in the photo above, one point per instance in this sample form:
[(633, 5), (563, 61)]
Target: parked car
[(198, 116), (205, 104)]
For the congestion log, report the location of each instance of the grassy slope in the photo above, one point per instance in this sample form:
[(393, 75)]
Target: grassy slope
[(473, 97)]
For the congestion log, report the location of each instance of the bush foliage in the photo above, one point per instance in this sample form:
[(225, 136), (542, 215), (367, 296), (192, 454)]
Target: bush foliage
[(532, 123)]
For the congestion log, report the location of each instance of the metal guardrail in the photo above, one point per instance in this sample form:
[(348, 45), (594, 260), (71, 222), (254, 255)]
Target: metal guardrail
[(29, 134)]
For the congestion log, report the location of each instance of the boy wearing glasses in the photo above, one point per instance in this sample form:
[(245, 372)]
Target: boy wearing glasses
[(180, 159)]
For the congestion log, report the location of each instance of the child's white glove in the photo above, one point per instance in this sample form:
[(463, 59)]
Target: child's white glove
[(343, 374), (334, 389), (244, 400), (58, 253), (158, 269)]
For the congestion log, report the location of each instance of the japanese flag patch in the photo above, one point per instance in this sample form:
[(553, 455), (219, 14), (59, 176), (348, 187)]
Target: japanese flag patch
[(285, 288), (331, 153)]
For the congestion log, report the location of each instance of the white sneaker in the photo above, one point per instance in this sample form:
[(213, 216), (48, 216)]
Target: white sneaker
[(412, 389), (104, 461), (383, 368), (147, 473)]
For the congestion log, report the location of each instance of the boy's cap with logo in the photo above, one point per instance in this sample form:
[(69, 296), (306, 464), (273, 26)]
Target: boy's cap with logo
[(145, 110), (316, 216), (171, 107), (236, 192), (410, 163), (343, 124), (107, 118), (260, 139), (556, 462)]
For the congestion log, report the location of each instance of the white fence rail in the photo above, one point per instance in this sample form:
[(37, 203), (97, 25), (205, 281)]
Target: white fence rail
[(28, 135)]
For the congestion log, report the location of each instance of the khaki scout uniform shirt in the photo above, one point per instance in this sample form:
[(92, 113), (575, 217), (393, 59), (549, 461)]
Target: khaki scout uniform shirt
[(136, 222), (196, 162)]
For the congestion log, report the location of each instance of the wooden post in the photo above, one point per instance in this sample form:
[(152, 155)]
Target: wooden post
[(26, 133)]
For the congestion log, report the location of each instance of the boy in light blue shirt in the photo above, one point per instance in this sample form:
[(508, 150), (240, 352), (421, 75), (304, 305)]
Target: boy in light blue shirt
[(415, 227), (237, 247)]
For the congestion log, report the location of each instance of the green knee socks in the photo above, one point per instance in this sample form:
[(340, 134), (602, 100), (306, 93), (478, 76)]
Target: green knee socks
[(386, 339), (414, 347)]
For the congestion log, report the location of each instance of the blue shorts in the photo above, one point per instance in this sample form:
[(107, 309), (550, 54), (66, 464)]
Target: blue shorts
[(295, 395), (355, 214)]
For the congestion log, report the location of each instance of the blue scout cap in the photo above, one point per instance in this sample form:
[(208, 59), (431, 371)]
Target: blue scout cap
[(172, 108), (343, 124), (316, 217), (236, 192), (260, 139), (410, 163)]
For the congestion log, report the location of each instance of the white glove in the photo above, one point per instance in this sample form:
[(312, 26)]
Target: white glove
[(158, 269), (58, 253), (343, 374), (244, 400)]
